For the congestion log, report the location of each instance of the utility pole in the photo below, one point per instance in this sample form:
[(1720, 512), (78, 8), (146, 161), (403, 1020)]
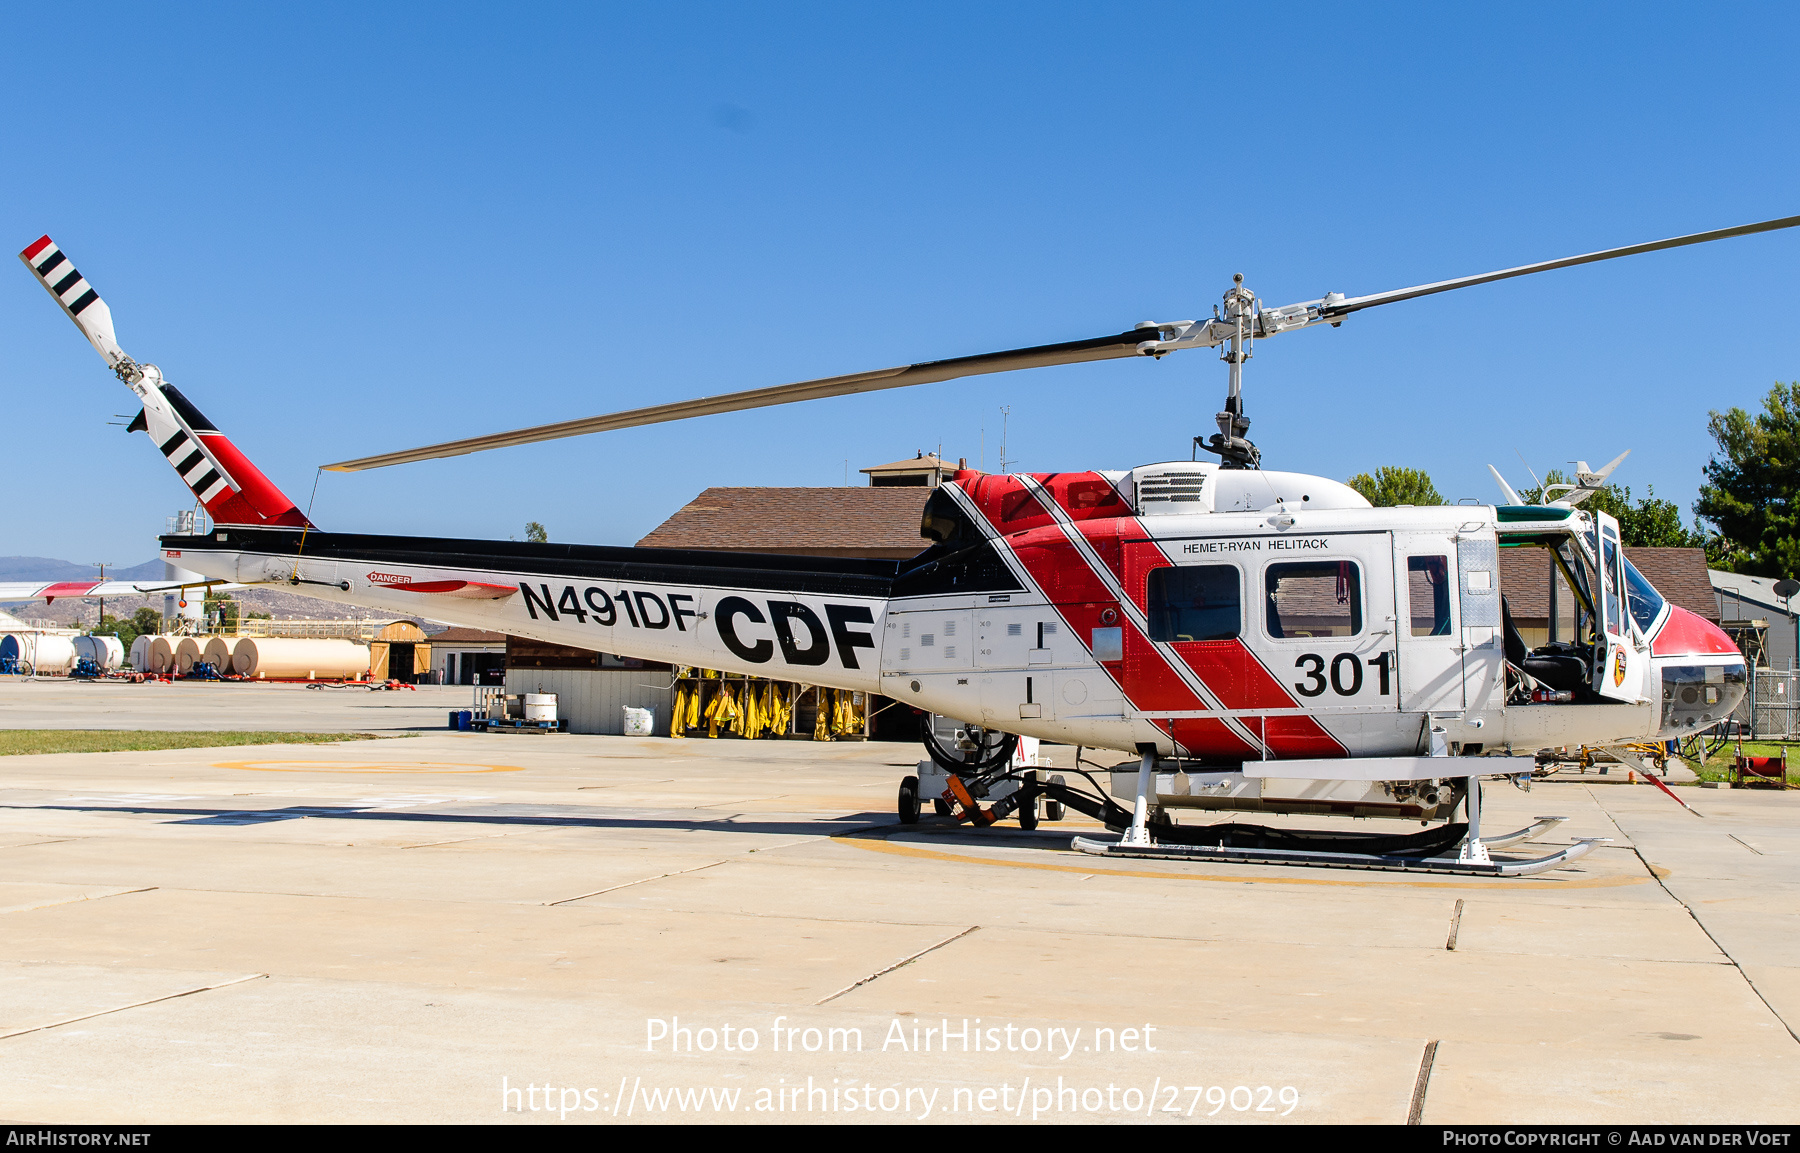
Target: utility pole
[(101, 620)]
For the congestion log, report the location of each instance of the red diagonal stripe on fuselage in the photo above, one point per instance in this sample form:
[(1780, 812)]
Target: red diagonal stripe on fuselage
[(1105, 537), (1012, 508), (1080, 597), (1241, 681)]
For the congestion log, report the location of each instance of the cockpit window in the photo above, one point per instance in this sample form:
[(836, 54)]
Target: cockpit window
[(1645, 602), (943, 520)]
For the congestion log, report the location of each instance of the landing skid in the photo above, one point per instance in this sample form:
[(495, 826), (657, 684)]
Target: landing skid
[(1339, 859), (1541, 825), (1453, 848)]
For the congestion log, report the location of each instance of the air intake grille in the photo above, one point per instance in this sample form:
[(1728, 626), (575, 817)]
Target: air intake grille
[(1174, 492)]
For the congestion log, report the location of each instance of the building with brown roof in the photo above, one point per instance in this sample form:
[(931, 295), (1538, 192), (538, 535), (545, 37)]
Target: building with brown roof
[(876, 522), (926, 470)]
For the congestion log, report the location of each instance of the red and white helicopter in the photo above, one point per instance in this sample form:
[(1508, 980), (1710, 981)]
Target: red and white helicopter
[(1262, 641)]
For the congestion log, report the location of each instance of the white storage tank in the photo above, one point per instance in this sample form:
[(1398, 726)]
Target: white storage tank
[(293, 658), (187, 651), (162, 654), (140, 653), (106, 652), (50, 656)]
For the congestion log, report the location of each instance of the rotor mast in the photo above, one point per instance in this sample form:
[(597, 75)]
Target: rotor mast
[(1230, 442)]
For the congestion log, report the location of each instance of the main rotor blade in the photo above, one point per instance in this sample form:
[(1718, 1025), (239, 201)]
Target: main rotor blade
[(1039, 356), (1334, 308)]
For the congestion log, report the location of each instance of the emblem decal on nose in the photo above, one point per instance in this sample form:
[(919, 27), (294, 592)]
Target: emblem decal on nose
[(1618, 667)]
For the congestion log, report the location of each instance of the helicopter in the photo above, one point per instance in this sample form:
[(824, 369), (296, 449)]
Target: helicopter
[(1261, 641)]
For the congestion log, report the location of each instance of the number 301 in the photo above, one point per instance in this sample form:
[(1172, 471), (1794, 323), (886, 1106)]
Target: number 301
[(1346, 673)]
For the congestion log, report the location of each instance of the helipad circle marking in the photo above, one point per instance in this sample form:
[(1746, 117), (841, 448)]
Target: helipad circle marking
[(879, 843), (427, 767)]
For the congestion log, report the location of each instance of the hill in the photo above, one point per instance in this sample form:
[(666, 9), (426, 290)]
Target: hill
[(27, 568)]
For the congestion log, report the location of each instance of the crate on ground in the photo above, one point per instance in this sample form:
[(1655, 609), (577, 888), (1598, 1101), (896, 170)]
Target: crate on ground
[(521, 713)]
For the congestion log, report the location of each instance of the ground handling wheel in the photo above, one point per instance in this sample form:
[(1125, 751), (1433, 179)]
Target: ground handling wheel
[(1053, 810), (1027, 798), (941, 807), (908, 801)]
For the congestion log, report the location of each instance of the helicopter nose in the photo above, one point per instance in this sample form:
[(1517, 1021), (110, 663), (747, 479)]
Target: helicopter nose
[(1702, 674), (1688, 634)]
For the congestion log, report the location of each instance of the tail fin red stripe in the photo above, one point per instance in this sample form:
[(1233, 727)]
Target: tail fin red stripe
[(257, 501)]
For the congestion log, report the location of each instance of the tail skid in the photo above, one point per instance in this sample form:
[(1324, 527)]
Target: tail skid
[(234, 491)]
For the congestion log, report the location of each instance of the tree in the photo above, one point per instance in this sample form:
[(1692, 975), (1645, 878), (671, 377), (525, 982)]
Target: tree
[(1753, 481), (535, 533), (1392, 485), (226, 607), (1650, 523), (129, 629)]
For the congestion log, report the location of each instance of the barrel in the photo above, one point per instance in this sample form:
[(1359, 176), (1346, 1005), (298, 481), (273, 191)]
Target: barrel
[(187, 651), (162, 654), (294, 658)]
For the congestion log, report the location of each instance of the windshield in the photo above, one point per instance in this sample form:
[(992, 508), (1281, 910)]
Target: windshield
[(1645, 602)]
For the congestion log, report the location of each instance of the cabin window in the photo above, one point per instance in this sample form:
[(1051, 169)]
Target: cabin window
[(1314, 599), (1195, 603), (1428, 595)]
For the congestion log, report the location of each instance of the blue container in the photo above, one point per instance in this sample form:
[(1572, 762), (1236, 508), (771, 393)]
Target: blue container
[(463, 717)]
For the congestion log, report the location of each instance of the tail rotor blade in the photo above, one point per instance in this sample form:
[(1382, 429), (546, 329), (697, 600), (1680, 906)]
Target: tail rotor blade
[(77, 298)]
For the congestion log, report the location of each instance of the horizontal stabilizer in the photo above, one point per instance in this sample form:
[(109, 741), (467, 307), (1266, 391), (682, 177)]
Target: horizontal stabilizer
[(48, 591)]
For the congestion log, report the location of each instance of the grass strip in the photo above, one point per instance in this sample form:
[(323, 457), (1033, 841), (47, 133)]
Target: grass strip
[(25, 742), (1718, 766)]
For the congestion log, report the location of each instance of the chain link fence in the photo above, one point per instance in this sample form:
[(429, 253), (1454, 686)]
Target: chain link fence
[(1771, 710)]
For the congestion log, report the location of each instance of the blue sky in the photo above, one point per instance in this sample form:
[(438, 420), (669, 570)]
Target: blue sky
[(347, 229)]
